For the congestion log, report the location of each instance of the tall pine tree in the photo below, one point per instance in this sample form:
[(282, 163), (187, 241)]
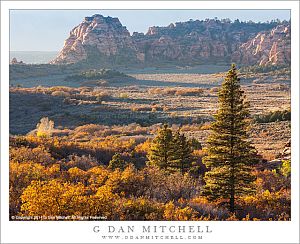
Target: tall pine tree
[(162, 148), (230, 155), (182, 158), (170, 151)]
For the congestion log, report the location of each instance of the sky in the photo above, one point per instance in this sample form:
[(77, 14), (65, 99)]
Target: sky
[(46, 30)]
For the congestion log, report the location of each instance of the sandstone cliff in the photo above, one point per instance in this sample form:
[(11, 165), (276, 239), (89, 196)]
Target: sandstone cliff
[(104, 39), (104, 34), (266, 48)]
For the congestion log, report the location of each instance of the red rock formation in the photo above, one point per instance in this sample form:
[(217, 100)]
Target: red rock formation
[(105, 33), (208, 41), (267, 48)]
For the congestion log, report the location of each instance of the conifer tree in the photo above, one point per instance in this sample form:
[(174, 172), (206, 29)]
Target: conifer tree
[(116, 162), (182, 157), (161, 151), (230, 155)]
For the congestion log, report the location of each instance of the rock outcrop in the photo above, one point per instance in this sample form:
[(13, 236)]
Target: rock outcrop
[(267, 48), (104, 39), (103, 34)]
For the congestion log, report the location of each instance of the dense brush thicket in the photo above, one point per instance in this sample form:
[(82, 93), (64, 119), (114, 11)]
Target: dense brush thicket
[(110, 177)]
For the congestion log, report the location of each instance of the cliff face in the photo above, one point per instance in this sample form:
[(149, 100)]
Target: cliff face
[(191, 42), (104, 34), (266, 48)]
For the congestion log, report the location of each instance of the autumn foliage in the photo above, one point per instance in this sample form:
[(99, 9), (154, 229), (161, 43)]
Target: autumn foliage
[(109, 178)]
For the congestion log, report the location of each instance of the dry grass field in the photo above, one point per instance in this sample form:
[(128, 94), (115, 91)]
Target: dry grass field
[(180, 99)]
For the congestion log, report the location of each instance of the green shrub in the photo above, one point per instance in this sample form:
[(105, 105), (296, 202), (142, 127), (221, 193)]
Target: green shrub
[(284, 115)]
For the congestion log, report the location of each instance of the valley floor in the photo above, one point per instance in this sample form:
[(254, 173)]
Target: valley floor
[(95, 123)]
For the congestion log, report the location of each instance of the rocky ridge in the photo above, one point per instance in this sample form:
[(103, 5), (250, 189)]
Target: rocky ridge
[(267, 47), (105, 39)]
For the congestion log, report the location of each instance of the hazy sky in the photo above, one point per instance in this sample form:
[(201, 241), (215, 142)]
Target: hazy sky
[(46, 30)]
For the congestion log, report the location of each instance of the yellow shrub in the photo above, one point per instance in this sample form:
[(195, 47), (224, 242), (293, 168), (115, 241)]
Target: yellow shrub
[(143, 147), (174, 213)]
